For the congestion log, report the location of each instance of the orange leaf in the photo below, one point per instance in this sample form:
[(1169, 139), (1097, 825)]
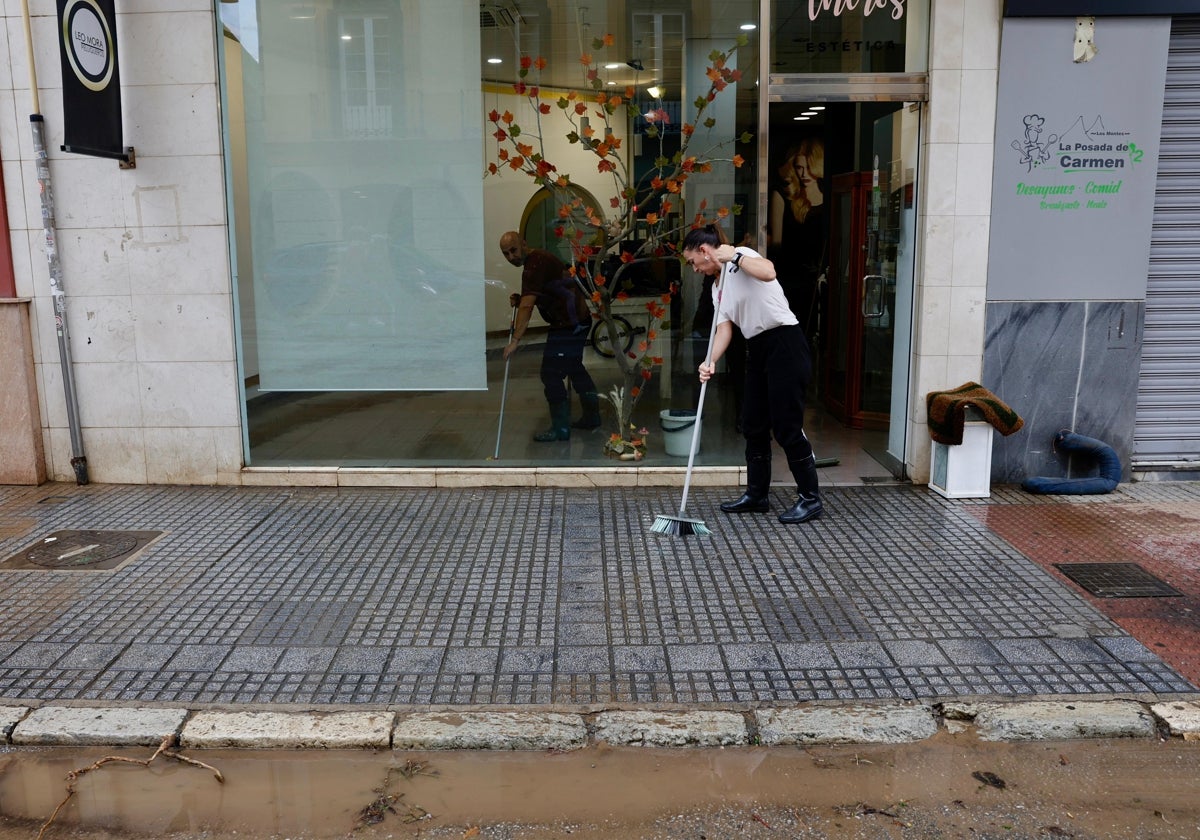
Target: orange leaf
[(507, 118), (540, 63), (608, 39), (634, 392), (738, 160), (586, 58)]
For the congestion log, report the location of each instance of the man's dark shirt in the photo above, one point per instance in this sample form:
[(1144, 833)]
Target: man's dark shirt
[(545, 276)]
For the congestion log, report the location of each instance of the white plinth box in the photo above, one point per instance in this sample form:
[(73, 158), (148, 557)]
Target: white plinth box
[(964, 471)]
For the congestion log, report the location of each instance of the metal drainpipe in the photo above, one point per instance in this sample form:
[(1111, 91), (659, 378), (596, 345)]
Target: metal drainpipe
[(78, 459)]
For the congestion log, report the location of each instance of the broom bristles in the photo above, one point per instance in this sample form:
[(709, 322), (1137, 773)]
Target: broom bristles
[(679, 526)]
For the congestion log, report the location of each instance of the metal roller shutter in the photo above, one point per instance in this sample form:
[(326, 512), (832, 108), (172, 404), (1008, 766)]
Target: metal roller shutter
[(1167, 430)]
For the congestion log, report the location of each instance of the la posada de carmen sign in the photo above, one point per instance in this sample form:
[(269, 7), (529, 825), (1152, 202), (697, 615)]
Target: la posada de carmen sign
[(1076, 159), (91, 81)]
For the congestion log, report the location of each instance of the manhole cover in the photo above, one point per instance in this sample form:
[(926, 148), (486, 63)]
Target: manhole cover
[(91, 550), (1117, 580)]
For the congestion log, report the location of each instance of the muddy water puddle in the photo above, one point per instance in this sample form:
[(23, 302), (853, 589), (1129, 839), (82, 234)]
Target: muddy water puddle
[(948, 786)]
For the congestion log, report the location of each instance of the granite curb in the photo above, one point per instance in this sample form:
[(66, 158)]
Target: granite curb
[(558, 731)]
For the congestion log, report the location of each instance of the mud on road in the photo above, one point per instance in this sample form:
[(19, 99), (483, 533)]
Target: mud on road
[(950, 786)]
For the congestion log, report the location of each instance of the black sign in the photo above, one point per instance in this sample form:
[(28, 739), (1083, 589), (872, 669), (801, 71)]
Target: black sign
[(1099, 8), (91, 83)]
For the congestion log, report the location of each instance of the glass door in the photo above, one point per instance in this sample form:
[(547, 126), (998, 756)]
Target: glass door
[(861, 334)]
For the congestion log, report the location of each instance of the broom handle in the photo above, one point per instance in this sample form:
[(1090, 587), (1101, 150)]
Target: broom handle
[(512, 327), (712, 334)]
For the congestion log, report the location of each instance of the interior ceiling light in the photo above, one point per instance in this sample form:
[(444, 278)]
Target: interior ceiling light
[(655, 91), (495, 61), (346, 38), (612, 65), (748, 27), (800, 119), (816, 107), (809, 113)]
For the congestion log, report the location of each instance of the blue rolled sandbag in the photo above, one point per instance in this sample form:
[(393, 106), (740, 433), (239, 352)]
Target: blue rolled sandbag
[(1106, 460)]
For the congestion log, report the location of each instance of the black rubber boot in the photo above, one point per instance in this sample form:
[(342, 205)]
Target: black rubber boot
[(560, 424), (758, 487), (591, 411), (808, 504)]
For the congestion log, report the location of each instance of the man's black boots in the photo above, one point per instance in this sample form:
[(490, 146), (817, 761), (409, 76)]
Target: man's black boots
[(560, 424), (591, 411), (756, 499), (808, 504)]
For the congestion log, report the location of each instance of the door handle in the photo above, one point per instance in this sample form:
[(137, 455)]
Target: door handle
[(872, 288)]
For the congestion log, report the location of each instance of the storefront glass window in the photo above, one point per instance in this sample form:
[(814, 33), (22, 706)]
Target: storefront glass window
[(373, 297)]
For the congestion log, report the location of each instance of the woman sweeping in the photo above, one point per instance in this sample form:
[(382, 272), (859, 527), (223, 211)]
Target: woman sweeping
[(778, 369)]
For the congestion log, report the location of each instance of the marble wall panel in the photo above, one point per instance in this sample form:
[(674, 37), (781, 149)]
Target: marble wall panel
[(1062, 365)]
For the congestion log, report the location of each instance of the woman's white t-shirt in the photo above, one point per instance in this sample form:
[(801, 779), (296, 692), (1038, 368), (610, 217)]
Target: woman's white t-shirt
[(754, 306)]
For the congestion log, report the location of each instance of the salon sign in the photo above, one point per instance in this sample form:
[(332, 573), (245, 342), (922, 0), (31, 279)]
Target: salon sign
[(840, 8), (91, 80)]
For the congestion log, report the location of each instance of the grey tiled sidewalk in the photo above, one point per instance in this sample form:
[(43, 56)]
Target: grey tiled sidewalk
[(375, 597)]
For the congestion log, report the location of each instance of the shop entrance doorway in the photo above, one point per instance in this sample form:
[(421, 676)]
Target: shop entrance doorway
[(841, 230)]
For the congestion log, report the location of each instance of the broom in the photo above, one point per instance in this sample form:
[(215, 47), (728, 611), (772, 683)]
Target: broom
[(682, 525)]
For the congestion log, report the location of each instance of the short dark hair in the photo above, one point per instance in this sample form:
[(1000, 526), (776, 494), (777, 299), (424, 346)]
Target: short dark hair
[(710, 235)]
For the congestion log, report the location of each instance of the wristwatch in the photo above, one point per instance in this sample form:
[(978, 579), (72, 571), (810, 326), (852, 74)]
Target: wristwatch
[(737, 259)]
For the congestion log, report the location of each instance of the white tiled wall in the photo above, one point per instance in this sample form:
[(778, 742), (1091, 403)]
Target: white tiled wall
[(144, 252), (964, 63)]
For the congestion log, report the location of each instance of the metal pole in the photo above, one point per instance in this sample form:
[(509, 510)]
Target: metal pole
[(37, 124)]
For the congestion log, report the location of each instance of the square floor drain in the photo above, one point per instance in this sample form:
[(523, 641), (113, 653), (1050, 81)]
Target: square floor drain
[(1117, 580), (88, 550)]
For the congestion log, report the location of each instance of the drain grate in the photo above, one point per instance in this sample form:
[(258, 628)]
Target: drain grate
[(1117, 580), (85, 550)]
